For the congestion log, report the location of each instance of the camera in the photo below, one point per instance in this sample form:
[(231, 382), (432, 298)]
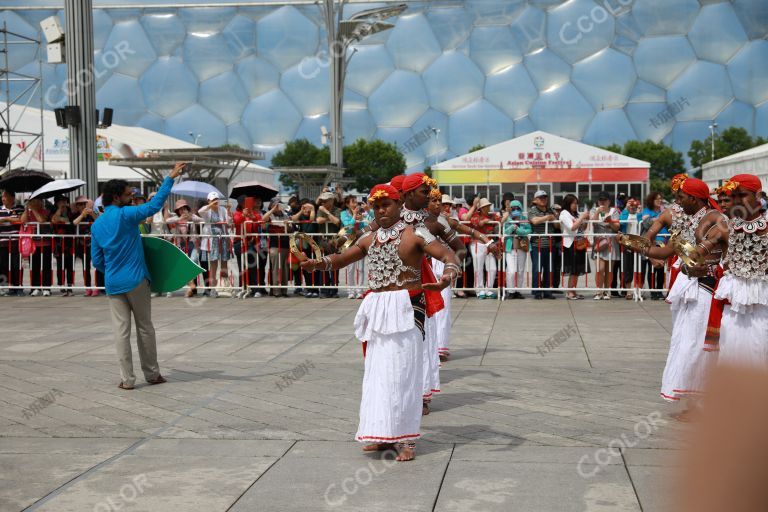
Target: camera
[(187, 167)]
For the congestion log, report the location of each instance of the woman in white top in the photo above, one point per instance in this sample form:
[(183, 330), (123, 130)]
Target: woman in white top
[(575, 244), (215, 245)]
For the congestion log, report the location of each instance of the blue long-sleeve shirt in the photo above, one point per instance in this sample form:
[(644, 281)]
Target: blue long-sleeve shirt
[(116, 248)]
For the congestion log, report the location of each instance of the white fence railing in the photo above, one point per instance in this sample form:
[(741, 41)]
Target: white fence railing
[(256, 261)]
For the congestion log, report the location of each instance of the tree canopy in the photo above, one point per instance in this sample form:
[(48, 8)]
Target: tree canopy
[(731, 141), (367, 162), (372, 162)]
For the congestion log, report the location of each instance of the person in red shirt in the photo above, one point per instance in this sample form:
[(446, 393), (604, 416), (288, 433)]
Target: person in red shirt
[(486, 222), (248, 219), (42, 259)]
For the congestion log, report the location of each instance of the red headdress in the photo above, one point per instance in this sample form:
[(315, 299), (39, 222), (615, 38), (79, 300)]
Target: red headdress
[(383, 191), (748, 181), (414, 181), (397, 182), (698, 189)]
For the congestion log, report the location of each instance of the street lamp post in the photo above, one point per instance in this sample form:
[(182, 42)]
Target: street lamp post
[(341, 34), (712, 129)]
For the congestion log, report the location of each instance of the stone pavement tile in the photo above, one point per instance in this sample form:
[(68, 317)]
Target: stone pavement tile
[(533, 487), (321, 476), (147, 482), (523, 454), (31, 468), (655, 487), (26, 479), (651, 457)]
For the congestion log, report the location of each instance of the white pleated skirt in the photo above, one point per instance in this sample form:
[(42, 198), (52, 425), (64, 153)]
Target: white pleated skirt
[(430, 359), (687, 362), (390, 409), (443, 317), (744, 328)]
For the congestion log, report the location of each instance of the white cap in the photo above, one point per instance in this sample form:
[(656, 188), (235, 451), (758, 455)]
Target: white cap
[(213, 195), (540, 193), (446, 199)]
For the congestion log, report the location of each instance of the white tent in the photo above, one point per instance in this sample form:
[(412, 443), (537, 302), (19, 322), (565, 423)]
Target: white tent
[(118, 141), (752, 161)]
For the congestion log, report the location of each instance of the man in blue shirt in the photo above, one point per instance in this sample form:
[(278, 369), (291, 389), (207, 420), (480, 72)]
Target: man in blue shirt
[(117, 251)]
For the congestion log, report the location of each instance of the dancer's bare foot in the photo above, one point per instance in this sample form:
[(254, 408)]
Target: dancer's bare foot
[(378, 447), (405, 451), (425, 409)]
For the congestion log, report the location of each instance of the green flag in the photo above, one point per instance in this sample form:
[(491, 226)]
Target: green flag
[(168, 266)]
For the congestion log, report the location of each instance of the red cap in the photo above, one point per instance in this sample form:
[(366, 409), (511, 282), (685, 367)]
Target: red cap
[(382, 191), (397, 182), (414, 181)]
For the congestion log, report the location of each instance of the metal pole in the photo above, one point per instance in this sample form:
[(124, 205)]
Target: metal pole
[(81, 92)]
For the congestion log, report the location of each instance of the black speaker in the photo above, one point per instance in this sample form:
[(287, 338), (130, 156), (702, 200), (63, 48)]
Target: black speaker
[(5, 152), (107, 121), (61, 119), (72, 115)]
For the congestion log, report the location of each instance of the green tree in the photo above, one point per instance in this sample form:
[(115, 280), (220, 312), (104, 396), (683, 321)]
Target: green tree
[(372, 162), (300, 153), (731, 141), (477, 147), (665, 161)]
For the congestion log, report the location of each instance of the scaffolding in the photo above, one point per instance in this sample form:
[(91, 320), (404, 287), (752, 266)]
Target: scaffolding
[(20, 89)]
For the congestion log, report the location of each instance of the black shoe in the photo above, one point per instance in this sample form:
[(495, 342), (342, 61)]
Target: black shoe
[(615, 294), (518, 295), (538, 297), (549, 296)]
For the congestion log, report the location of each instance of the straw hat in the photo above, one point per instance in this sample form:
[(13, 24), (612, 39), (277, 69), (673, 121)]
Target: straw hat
[(483, 203), (181, 203)]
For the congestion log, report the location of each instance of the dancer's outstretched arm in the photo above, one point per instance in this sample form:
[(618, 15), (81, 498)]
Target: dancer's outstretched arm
[(353, 253)]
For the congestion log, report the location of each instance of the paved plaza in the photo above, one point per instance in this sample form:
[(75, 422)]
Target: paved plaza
[(546, 406)]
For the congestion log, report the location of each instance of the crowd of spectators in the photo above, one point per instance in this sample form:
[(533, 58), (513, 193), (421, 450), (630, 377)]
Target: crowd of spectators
[(49, 243)]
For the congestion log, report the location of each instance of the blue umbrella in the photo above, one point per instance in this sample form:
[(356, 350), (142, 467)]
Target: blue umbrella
[(196, 189)]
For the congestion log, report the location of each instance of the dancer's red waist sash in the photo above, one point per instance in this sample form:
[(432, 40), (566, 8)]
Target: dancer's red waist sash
[(712, 338)]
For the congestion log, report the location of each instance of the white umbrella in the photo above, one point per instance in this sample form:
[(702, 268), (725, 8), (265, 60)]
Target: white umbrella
[(56, 187), (196, 189)]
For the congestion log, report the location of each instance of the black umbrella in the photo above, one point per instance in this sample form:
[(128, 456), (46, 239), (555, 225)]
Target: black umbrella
[(254, 189), (23, 180)]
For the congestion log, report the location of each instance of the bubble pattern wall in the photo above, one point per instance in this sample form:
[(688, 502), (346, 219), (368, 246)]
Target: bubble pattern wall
[(450, 75)]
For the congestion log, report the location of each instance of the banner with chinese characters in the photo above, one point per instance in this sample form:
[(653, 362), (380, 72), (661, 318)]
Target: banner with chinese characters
[(541, 157)]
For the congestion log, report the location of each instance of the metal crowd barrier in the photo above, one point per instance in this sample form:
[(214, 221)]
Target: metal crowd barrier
[(260, 262)]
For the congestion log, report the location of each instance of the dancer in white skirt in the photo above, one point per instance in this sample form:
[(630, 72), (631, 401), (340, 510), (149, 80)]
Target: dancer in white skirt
[(442, 318), (391, 319), (744, 327), (691, 296)]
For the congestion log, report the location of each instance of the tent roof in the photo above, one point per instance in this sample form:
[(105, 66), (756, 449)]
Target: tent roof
[(531, 150), (750, 154)]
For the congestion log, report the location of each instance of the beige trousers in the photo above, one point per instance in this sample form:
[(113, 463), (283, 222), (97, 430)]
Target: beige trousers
[(138, 303)]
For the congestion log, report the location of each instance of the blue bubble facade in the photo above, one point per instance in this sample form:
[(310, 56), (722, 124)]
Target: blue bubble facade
[(449, 76)]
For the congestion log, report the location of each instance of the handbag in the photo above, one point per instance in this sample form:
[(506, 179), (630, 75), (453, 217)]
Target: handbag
[(27, 245), (581, 244), (524, 244)]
